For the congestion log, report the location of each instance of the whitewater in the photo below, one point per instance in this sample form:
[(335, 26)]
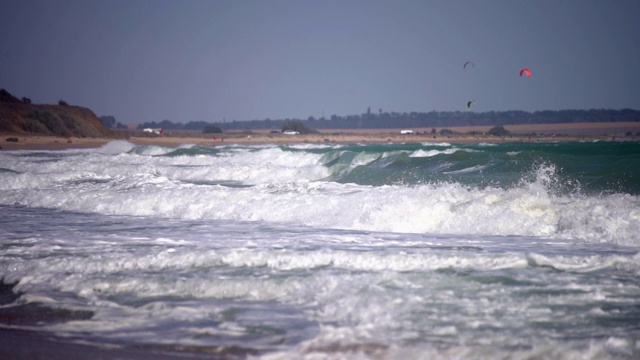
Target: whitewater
[(327, 251)]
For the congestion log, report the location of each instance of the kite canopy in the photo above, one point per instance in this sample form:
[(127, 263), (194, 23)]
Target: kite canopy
[(525, 72), (469, 104), (464, 67)]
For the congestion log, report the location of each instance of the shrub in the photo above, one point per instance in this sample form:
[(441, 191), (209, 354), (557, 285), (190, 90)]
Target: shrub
[(51, 122), (498, 130), (78, 127), (34, 126), (63, 103), (296, 125), (108, 121), (211, 129), (12, 139)]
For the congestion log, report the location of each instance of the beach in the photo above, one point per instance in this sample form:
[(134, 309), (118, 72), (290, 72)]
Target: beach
[(609, 131)]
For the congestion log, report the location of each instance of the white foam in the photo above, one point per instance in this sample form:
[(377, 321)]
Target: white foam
[(396, 289), (470, 169), (115, 147), (315, 146), (444, 144), (431, 153), (286, 187)]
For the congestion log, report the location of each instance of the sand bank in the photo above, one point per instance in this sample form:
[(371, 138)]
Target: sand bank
[(532, 132)]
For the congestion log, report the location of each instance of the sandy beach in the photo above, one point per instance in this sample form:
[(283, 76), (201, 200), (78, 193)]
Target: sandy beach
[(606, 131)]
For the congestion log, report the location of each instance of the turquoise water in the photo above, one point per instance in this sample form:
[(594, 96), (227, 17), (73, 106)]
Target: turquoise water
[(395, 251), (584, 167)]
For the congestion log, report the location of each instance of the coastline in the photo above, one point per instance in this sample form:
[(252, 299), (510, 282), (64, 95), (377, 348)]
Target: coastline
[(16, 343), (605, 131)]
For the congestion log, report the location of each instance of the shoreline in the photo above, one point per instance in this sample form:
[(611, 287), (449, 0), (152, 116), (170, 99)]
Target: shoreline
[(16, 343), (606, 131)]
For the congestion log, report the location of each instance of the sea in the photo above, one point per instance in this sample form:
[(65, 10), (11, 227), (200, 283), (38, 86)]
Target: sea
[(514, 250)]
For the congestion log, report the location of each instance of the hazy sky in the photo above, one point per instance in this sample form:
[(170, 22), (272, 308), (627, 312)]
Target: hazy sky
[(150, 60)]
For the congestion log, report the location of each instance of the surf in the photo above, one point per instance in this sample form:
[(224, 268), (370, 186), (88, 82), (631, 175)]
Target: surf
[(544, 190)]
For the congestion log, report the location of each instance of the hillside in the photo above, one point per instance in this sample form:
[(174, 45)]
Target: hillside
[(21, 117)]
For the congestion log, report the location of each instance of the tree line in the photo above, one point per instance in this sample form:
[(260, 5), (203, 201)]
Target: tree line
[(393, 120)]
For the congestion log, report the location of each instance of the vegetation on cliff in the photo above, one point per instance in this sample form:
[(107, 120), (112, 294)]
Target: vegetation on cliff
[(22, 117)]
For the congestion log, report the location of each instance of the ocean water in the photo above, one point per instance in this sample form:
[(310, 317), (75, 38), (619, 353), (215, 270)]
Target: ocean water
[(383, 251)]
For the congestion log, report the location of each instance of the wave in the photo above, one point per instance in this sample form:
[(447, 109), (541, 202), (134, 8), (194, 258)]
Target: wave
[(430, 153), (488, 191)]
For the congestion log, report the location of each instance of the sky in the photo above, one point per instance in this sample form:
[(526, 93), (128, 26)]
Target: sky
[(219, 60)]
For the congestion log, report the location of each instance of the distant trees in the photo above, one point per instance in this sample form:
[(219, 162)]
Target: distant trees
[(408, 120), (63, 103), (193, 125), (110, 122), (26, 100)]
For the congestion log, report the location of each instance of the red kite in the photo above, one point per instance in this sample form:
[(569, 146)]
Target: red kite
[(526, 72)]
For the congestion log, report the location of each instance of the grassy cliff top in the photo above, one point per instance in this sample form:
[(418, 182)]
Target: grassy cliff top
[(21, 117)]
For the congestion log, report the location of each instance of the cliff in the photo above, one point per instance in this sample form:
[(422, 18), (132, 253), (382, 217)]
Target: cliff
[(22, 117)]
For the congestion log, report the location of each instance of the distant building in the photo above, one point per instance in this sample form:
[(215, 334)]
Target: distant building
[(406, 132), (153, 131)]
